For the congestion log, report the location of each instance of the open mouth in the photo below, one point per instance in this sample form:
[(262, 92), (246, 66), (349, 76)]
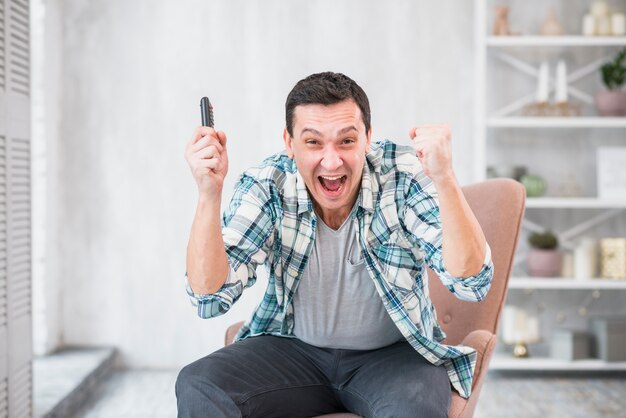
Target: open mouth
[(332, 184)]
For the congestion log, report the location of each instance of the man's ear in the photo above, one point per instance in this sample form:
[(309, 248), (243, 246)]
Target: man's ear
[(288, 143), (369, 140)]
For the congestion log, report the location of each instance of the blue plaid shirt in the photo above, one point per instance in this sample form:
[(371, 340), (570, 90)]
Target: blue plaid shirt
[(271, 221)]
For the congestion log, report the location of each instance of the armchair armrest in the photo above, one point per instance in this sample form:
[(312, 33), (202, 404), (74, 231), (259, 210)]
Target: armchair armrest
[(231, 331), (484, 342)]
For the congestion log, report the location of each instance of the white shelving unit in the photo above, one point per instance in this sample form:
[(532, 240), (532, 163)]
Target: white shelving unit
[(500, 362), (556, 122), (549, 41), (489, 123), (574, 203), (564, 283)]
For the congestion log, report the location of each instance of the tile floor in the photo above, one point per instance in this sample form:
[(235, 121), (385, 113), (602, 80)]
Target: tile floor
[(150, 394)]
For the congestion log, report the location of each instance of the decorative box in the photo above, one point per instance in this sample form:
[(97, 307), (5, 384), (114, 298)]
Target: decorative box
[(609, 338), (569, 345), (613, 258)]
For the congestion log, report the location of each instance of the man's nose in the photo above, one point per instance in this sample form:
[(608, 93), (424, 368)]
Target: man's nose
[(331, 160)]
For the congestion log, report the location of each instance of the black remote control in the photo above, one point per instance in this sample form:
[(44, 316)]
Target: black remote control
[(206, 110)]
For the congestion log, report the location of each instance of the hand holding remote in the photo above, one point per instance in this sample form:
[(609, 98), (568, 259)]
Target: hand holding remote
[(206, 154)]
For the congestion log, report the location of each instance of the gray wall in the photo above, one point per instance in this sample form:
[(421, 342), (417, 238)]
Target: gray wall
[(132, 74)]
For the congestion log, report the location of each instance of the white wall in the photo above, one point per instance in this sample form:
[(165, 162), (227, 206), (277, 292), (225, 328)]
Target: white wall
[(132, 76)]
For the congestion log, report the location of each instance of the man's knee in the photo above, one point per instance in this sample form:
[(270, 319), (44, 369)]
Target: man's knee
[(185, 379), (200, 374), (198, 390)]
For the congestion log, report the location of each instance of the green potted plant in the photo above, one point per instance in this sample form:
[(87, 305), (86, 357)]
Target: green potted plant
[(544, 258), (612, 102)]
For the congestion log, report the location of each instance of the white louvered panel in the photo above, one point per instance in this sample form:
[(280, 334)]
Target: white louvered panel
[(20, 392), (3, 282), (17, 44), (4, 360), (15, 206), (3, 48), (3, 227), (4, 398), (3, 304), (19, 233)]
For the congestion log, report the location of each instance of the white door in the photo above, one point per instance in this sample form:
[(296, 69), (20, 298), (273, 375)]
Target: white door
[(15, 230)]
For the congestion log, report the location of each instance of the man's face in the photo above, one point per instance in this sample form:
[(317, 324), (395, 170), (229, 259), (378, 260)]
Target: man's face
[(329, 147)]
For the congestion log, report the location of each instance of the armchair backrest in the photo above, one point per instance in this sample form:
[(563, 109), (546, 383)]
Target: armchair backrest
[(498, 204)]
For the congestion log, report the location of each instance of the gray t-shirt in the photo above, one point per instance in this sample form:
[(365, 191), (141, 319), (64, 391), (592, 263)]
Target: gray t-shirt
[(336, 304)]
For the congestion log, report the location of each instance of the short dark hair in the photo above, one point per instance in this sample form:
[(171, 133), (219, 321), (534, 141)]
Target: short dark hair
[(326, 89)]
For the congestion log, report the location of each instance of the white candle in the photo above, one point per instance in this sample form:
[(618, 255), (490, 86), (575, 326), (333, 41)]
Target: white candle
[(567, 270), (589, 25), (585, 259), (508, 324), (532, 329), (561, 82), (521, 326), (603, 25), (618, 24), (542, 84)]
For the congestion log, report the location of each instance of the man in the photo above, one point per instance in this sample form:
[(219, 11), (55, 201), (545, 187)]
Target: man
[(346, 229)]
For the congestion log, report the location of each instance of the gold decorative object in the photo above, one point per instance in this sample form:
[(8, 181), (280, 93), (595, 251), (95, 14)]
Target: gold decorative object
[(613, 258), (520, 350)]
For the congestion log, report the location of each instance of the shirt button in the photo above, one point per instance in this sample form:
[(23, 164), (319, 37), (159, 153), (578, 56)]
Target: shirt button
[(447, 318)]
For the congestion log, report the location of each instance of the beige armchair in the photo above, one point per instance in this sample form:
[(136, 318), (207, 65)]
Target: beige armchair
[(498, 205)]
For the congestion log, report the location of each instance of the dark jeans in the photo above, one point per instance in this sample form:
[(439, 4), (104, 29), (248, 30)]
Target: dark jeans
[(271, 376)]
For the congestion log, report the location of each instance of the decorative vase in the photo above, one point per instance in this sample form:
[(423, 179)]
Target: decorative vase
[(611, 103), (544, 263)]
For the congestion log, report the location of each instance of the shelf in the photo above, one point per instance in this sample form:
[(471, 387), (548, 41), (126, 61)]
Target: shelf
[(574, 203), (556, 122), (504, 362), (564, 283), (561, 41)]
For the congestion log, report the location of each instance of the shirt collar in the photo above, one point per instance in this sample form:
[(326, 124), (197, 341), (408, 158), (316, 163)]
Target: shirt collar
[(304, 201)]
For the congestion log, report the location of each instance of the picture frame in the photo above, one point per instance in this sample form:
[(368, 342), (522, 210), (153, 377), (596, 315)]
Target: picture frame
[(611, 171)]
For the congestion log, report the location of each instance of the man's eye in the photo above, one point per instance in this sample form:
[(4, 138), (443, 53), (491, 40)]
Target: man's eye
[(311, 141), (348, 141)]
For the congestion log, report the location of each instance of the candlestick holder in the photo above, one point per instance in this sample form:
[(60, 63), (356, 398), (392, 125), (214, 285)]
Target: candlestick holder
[(540, 109), (566, 109), (547, 109)]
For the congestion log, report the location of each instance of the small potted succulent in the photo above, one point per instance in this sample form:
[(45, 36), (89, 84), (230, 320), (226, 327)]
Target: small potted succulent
[(612, 102), (544, 258)]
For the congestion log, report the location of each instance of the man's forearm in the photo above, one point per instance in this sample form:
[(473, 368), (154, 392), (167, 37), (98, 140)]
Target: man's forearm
[(464, 243), (207, 263)]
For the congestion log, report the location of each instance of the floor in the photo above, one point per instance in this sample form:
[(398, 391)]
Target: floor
[(150, 394)]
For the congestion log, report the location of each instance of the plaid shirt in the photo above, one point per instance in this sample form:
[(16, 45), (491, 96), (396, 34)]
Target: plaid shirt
[(271, 221)]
